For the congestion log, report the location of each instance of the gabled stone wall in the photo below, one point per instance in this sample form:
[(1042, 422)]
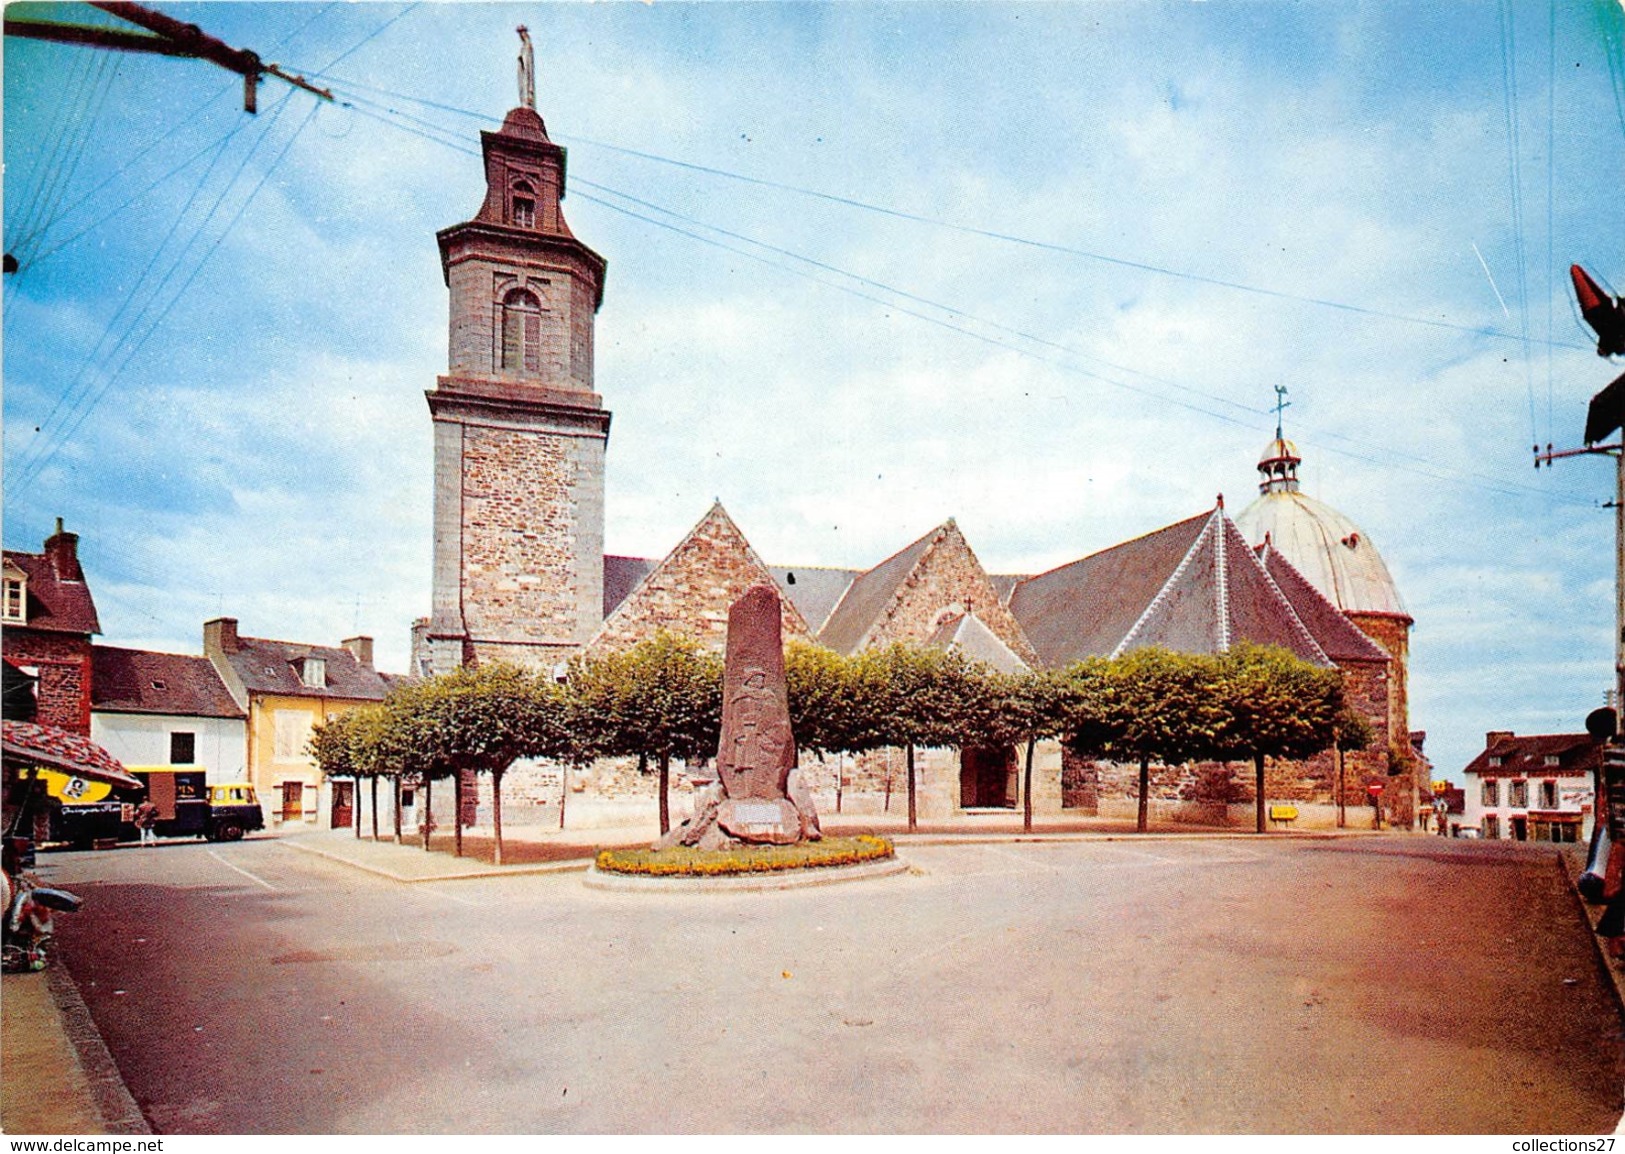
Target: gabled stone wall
[(689, 593), (947, 581)]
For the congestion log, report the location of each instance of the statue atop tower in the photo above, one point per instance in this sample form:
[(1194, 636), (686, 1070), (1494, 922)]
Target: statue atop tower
[(527, 70), (520, 433)]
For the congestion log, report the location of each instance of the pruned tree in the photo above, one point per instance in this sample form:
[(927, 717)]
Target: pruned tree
[(482, 718), (1274, 704), (1152, 705), (659, 699), (909, 696), (823, 696)]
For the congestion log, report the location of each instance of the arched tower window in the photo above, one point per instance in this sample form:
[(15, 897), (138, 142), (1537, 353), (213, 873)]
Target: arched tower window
[(524, 206), (521, 332)]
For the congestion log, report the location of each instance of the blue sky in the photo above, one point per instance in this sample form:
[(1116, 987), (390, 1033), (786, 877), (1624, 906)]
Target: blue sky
[(1036, 267)]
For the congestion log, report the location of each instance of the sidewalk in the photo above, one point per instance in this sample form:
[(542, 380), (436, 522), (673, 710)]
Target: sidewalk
[(59, 1077), (1572, 861)]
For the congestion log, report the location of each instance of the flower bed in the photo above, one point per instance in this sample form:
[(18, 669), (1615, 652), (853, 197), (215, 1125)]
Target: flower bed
[(681, 861)]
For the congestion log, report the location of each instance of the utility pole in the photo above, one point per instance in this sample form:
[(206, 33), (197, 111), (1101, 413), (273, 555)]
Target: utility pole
[(1617, 451), (1606, 416), (169, 37)]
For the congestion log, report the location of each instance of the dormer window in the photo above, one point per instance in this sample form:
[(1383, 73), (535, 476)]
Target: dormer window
[(1554, 759), (524, 206), (14, 601), (313, 672), (521, 332), (1495, 763)]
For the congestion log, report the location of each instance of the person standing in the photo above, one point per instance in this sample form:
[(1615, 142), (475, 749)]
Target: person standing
[(146, 822)]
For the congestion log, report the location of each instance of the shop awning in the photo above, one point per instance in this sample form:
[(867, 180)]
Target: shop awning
[(26, 745)]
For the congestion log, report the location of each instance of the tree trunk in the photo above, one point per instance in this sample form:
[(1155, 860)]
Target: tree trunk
[(1258, 777), (564, 792), (457, 823), (355, 800), (496, 811), (1342, 800), (426, 822), (375, 807), (665, 802), (1027, 790), (912, 806), (397, 780), (1145, 792)]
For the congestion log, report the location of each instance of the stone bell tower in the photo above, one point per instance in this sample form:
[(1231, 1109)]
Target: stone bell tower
[(519, 433)]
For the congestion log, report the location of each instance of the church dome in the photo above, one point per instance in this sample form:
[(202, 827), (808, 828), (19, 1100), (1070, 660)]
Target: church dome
[(1331, 552)]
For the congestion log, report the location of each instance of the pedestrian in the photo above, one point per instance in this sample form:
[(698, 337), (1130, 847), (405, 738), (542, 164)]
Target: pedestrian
[(146, 821)]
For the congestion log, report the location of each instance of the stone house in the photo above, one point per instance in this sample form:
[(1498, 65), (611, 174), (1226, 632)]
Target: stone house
[(47, 618)]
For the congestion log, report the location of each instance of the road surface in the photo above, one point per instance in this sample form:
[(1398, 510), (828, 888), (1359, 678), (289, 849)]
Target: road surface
[(1272, 985)]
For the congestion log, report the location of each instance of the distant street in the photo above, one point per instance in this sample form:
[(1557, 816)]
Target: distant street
[(1387, 985)]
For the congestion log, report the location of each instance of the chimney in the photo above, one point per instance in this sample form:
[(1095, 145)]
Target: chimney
[(360, 648), (63, 550), (220, 636), (1496, 735)]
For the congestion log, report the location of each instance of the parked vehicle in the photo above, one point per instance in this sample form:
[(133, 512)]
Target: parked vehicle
[(187, 807), (26, 938)]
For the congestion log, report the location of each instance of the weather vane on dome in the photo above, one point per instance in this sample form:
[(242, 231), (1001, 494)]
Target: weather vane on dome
[(1281, 405), (527, 70)]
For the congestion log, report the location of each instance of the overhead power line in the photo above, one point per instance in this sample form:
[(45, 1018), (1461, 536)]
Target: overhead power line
[(168, 37), (970, 230), (957, 320)]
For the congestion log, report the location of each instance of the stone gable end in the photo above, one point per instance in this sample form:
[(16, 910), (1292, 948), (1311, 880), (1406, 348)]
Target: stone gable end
[(948, 579), (690, 591)]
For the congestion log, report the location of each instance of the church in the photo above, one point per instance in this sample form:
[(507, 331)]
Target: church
[(520, 573)]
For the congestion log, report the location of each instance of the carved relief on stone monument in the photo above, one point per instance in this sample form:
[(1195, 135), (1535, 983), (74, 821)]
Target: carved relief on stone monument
[(755, 799)]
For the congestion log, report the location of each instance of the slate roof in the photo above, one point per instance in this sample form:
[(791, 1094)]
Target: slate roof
[(1087, 607), (1194, 587), (977, 642), (870, 595), (1576, 753), (814, 590), (54, 604), (265, 666), (139, 681), (1341, 639), (621, 576)]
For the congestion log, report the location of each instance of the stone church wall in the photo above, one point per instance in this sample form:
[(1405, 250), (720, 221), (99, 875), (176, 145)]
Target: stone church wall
[(691, 591)]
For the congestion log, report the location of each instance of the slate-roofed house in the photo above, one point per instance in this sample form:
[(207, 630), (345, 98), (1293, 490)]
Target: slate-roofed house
[(288, 688), (1538, 787), (167, 709), (47, 618)]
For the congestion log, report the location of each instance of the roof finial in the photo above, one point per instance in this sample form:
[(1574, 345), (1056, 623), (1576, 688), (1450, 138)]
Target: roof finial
[(1281, 405), (527, 70)]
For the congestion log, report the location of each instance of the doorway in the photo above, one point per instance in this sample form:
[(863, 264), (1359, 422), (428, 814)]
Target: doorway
[(293, 801), (343, 804), (987, 778)]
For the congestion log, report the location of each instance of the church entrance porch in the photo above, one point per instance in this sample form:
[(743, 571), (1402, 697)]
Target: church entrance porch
[(987, 778)]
